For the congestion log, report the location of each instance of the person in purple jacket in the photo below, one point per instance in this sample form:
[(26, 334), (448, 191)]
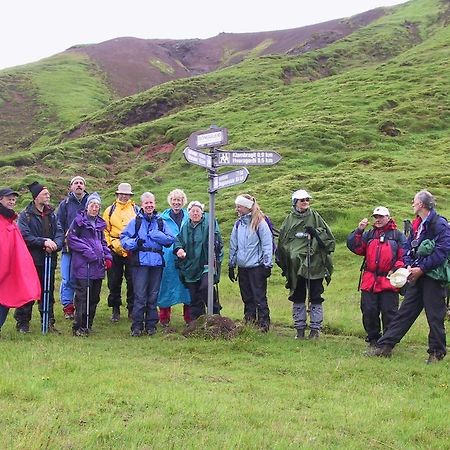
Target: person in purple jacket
[(90, 257)]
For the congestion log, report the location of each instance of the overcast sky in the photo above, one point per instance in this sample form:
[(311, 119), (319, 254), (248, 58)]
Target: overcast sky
[(34, 29)]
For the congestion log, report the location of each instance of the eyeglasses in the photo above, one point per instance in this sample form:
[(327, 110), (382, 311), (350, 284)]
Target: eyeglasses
[(303, 200)]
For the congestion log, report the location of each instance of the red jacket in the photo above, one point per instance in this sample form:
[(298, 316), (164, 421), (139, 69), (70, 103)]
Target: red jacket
[(383, 249), (19, 281)]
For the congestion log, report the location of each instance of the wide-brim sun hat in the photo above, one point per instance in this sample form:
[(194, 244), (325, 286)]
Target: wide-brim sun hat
[(399, 278), (124, 188)]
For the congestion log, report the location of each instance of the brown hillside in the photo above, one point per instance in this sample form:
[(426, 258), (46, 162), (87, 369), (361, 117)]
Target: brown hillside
[(133, 65)]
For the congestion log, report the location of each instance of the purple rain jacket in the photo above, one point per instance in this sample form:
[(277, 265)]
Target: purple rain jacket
[(87, 243)]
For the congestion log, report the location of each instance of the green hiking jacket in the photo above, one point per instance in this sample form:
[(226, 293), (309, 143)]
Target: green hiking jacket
[(292, 251)]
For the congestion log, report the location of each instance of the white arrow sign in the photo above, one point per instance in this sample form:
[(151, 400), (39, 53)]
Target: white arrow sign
[(198, 158), (242, 158), (231, 178)]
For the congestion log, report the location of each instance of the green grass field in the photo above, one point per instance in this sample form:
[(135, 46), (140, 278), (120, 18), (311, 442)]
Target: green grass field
[(256, 391)]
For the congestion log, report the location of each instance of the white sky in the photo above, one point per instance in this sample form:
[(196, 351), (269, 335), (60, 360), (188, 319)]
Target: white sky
[(35, 29)]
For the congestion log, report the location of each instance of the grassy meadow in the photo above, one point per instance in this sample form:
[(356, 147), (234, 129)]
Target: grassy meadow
[(326, 112), (256, 391)]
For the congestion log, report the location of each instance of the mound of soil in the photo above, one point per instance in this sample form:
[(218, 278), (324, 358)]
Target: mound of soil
[(212, 327)]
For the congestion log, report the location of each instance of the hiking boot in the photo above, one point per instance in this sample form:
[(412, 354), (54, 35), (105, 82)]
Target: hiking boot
[(385, 351), (264, 327), (164, 324), (434, 358), (136, 333), (53, 329), (150, 331), (115, 314), (372, 343), (69, 311), (80, 332), (314, 334), (300, 333), (23, 328)]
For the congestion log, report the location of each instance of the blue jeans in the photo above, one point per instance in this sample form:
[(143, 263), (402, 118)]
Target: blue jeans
[(3, 314), (67, 290), (146, 283)]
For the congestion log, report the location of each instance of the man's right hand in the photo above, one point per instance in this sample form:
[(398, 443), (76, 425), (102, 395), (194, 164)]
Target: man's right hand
[(363, 224)]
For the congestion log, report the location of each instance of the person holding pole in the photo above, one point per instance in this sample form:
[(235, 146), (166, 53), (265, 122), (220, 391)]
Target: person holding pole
[(90, 258), (304, 255), (251, 252), (19, 281), (44, 236), (172, 290), (145, 236), (191, 248)]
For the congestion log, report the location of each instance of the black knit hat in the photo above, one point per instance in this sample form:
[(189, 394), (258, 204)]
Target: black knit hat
[(35, 188)]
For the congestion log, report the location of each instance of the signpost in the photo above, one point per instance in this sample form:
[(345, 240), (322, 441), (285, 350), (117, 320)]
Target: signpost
[(212, 139)]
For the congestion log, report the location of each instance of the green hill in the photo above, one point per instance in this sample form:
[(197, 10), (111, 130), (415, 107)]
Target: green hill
[(361, 122)]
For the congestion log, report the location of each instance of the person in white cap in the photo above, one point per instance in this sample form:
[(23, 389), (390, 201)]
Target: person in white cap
[(383, 248), (423, 291), (303, 253), (117, 216), (251, 253), (67, 210)]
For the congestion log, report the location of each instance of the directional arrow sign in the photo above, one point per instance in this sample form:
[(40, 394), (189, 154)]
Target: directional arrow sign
[(231, 178), (212, 138), (242, 158), (198, 158)]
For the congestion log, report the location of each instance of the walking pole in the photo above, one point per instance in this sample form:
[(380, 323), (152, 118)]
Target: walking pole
[(308, 274), (88, 294), (46, 296)]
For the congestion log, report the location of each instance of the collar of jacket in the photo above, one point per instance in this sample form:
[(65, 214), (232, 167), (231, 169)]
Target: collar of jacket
[(8, 213)]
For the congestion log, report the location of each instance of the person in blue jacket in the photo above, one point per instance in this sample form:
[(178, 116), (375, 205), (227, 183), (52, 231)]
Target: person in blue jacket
[(172, 291), (145, 236), (423, 291), (251, 252)]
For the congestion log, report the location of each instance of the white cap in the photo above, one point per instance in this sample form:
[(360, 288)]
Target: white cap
[(244, 201), (381, 211), (301, 193)]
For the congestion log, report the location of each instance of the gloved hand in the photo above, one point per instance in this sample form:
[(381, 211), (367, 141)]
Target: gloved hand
[(311, 231), (108, 264), (231, 274), (140, 242), (267, 271)]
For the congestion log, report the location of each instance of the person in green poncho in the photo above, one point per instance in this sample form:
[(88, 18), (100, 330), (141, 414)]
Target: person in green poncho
[(303, 254)]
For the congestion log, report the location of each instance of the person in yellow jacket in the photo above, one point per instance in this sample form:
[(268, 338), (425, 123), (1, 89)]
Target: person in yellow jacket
[(117, 217)]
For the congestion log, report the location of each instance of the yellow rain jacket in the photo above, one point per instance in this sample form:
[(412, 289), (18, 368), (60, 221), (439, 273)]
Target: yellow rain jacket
[(117, 217)]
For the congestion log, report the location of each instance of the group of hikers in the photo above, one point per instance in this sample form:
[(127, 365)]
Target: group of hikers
[(164, 260)]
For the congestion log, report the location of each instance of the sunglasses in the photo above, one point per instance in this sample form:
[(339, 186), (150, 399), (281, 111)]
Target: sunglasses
[(303, 200)]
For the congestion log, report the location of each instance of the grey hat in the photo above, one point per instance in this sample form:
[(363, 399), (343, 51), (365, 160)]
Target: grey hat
[(4, 192), (94, 197)]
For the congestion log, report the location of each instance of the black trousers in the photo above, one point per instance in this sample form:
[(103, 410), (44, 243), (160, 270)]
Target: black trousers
[(199, 297), (24, 313), (120, 267), (253, 287), (426, 294), (315, 290), (372, 306), (81, 301)]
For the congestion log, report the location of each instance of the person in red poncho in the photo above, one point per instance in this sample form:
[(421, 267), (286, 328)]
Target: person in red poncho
[(19, 282)]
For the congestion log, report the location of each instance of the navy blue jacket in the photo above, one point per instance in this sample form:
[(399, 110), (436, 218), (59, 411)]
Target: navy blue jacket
[(67, 211), (30, 225), (436, 228)]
